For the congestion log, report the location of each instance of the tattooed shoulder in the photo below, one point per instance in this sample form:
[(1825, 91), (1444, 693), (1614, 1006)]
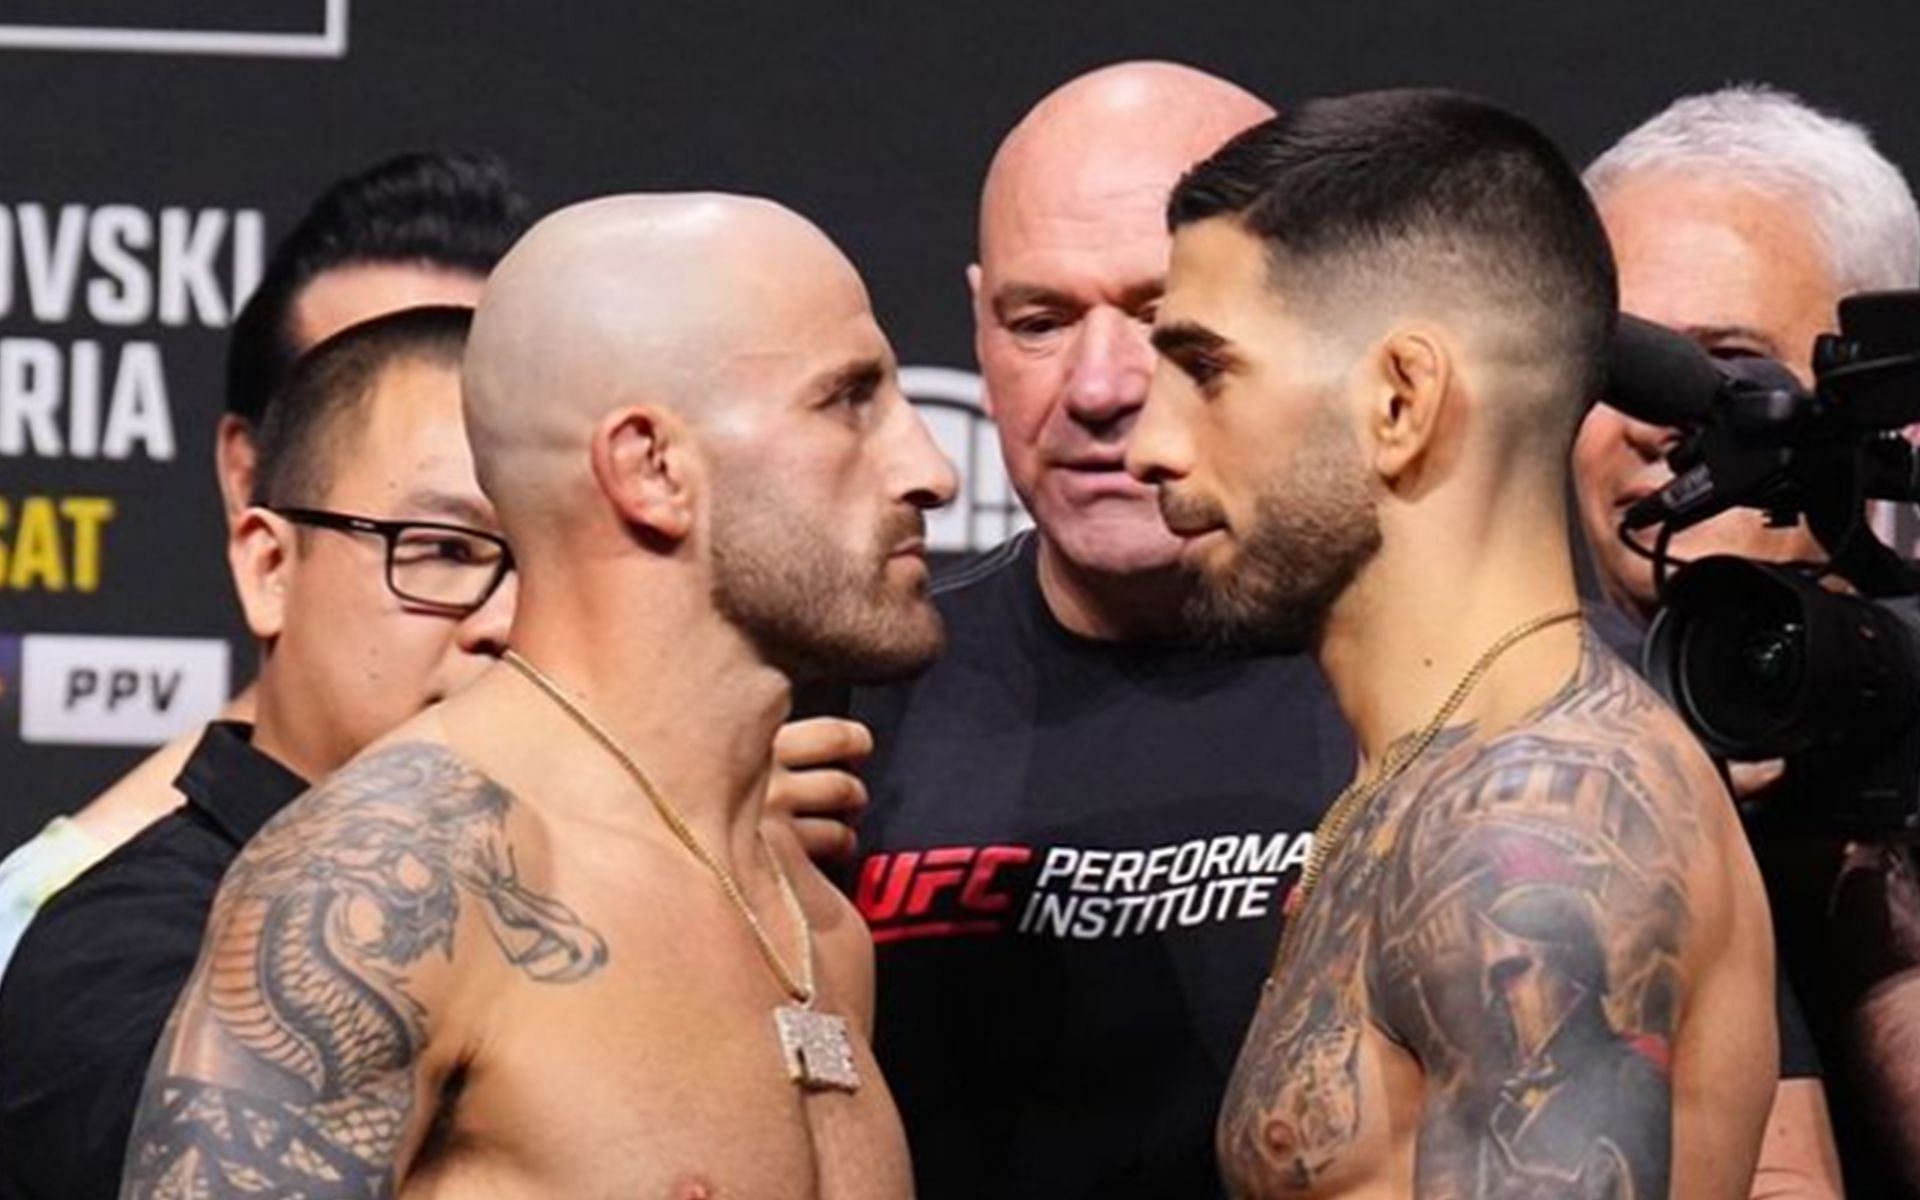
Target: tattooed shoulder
[(290, 1063), (1530, 928)]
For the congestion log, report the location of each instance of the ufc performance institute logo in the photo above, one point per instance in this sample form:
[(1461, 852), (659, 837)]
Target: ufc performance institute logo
[(1079, 893)]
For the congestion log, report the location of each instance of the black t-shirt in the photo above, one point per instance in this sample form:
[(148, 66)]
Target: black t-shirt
[(100, 967), (1073, 867)]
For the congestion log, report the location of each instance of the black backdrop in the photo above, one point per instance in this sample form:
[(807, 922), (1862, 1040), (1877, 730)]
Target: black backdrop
[(139, 185)]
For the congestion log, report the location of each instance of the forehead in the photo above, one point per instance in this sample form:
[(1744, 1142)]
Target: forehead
[(1220, 277), (1696, 253), (791, 327), (343, 296), (409, 437), (1098, 212)]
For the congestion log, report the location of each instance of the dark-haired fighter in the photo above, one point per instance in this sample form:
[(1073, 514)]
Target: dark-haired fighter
[(538, 942), (371, 571), (1533, 957)]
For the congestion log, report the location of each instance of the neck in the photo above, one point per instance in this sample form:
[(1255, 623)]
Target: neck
[(674, 684), (277, 730), (1410, 628), (1110, 607)]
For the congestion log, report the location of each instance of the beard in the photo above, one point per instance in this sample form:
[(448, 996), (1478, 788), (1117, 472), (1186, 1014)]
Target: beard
[(1313, 528), (813, 610)]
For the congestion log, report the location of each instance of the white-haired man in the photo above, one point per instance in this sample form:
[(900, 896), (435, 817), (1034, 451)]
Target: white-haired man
[(1740, 217)]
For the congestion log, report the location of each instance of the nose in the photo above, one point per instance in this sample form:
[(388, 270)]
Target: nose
[(1112, 365), (925, 475), (1161, 446), (484, 630)]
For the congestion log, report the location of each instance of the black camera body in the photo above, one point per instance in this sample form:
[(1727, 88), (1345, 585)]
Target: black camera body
[(1765, 663), (1815, 664)]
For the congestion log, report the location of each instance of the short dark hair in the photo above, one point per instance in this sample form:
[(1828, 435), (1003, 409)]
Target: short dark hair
[(456, 210), (1430, 183), (311, 419)]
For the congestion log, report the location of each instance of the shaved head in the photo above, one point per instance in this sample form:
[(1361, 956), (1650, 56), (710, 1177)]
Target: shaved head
[(694, 387), (1121, 135), (1073, 258), (668, 300)]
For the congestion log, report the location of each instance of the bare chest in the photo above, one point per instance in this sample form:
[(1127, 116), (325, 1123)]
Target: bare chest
[(669, 1077), (1321, 1103)]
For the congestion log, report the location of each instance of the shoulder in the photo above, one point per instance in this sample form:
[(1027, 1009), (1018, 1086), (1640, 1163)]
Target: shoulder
[(391, 793), (1600, 799), (1605, 752)]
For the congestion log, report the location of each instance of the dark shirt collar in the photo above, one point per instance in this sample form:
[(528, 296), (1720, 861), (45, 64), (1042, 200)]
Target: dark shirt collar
[(238, 787)]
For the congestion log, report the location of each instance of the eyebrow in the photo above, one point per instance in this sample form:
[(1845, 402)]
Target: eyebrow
[(1186, 337), (431, 504), (1011, 296), (864, 376)]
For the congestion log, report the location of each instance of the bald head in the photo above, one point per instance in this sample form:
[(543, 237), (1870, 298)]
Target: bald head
[(684, 302), (684, 409), (1121, 135)]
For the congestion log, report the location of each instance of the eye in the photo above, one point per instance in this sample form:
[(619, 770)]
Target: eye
[(1033, 326), (420, 546), (855, 396), (453, 550), (1204, 369)]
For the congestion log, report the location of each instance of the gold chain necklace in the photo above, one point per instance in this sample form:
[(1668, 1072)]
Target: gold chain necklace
[(815, 1045), (1357, 795)]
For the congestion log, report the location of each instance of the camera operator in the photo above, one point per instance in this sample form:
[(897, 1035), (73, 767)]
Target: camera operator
[(1740, 218)]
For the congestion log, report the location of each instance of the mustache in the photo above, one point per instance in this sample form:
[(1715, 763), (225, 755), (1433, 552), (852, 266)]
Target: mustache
[(902, 525), (1184, 512)]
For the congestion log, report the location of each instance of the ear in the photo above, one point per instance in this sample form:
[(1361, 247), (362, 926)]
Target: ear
[(642, 463), (261, 554), (980, 318), (235, 456), (1413, 378)]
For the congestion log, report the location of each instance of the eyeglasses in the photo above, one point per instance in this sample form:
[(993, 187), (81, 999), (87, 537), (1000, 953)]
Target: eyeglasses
[(447, 567)]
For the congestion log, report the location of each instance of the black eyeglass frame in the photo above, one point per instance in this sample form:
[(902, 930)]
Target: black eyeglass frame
[(391, 532)]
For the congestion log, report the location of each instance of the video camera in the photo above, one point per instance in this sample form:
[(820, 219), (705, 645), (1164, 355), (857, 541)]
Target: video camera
[(1763, 660)]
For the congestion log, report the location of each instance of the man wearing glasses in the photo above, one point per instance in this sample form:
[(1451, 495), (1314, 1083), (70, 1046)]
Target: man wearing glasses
[(371, 570)]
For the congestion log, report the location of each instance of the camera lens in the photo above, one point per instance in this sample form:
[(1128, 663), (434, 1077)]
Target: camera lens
[(1764, 662), (1772, 661), (1742, 673)]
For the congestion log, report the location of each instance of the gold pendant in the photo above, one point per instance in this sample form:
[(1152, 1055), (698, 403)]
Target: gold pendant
[(818, 1051)]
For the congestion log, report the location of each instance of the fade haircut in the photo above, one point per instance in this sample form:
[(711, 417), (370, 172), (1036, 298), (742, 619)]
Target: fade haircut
[(1861, 209), (316, 416), (455, 211), (1429, 196)]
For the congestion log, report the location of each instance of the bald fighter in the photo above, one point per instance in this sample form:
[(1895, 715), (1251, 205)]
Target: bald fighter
[(1531, 957), (539, 942)]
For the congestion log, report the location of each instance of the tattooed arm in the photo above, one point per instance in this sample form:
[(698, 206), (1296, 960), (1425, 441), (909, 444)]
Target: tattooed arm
[(1532, 923), (295, 1062)]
